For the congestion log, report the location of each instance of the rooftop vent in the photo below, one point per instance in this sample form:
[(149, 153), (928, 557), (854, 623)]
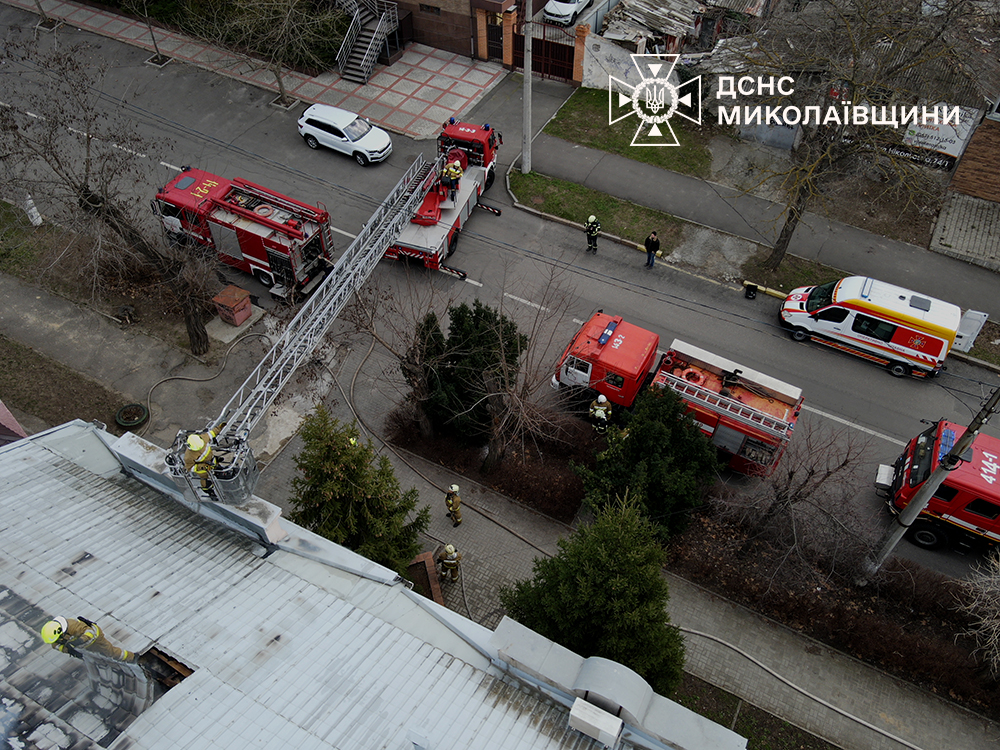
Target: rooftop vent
[(921, 303), (595, 722)]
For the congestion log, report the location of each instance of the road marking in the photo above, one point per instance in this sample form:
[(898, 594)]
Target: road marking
[(170, 166), (473, 281), (341, 231), (848, 423), (523, 301), (578, 321)]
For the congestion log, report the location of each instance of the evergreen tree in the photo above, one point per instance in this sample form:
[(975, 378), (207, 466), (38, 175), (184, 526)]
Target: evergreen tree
[(350, 495), (662, 459), (604, 595)]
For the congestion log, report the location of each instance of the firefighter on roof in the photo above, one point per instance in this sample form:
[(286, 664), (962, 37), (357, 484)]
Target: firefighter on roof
[(73, 634), (450, 176), (450, 558), (600, 413), (453, 502), (199, 456)]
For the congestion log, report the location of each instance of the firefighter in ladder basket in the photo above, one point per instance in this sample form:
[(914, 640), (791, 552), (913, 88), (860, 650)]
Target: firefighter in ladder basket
[(200, 458)]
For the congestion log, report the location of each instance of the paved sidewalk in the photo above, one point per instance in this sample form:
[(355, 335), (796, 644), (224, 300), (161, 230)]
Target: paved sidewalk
[(413, 96)]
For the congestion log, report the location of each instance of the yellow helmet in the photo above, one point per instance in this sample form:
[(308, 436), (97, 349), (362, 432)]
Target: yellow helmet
[(453, 488), (53, 629), (450, 549), (592, 218), (195, 442)]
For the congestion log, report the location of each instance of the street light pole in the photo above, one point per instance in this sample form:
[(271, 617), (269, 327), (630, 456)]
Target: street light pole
[(526, 96), (947, 463)]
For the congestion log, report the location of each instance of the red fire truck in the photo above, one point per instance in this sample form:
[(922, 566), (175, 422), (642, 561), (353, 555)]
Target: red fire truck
[(285, 244), (432, 234), (747, 415), (966, 507)]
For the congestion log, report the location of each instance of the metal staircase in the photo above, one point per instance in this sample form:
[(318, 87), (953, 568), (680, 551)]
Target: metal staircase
[(717, 403), (373, 21)]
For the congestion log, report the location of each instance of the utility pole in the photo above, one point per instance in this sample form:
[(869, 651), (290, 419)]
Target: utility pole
[(526, 95), (947, 463)]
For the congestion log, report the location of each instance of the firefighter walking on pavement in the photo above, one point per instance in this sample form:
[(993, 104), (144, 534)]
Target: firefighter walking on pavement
[(593, 228), (450, 560), (453, 502), (71, 635)]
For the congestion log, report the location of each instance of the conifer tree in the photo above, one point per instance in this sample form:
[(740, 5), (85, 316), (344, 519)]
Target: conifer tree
[(350, 495), (604, 594)]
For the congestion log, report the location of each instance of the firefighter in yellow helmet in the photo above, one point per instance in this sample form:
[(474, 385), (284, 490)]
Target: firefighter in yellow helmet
[(449, 558), (70, 635), (450, 176), (199, 456), (453, 501)]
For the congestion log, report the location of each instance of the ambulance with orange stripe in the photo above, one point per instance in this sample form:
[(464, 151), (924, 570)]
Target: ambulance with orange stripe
[(906, 332)]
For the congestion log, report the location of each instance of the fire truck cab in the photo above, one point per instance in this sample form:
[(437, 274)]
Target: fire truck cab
[(285, 244), (965, 509)]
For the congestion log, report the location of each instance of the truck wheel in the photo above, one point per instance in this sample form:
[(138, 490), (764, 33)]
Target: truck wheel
[(453, 243), (490, 176), (311, 141), (361, 159), (799, 334), (263, 277), (898, 369), (927, 536)]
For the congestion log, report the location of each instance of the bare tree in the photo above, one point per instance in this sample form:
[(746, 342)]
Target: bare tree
[(67, 143), (862, 53), (982, 603), (274, 33), (806, 510)]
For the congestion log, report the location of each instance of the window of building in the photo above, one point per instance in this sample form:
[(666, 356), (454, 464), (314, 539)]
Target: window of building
[(432, 9)]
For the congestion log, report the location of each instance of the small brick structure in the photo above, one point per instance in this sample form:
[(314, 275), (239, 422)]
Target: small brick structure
[(423, 572), (233, 305)]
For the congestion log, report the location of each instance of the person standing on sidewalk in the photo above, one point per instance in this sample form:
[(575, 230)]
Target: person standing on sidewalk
[(449, 558), (593, 228), (453, 502), (652, 248)]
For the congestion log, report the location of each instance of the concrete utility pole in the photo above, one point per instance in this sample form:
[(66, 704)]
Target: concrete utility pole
[(526, 124), (947, 463)]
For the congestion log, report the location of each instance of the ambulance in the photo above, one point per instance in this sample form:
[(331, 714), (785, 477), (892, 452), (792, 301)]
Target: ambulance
[(906, 332)]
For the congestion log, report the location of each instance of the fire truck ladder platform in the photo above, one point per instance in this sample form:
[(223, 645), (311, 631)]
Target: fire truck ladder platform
[(301, 337), (742, 413)]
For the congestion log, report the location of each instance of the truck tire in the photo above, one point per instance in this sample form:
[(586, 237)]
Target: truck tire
[(263, 277), (311, 141), (490, 176), (898, 369), (453, 243), (927, 535), (799, 334)]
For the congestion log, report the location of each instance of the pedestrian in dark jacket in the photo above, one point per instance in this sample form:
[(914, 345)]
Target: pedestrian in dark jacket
[(652, 248), (593, 228)]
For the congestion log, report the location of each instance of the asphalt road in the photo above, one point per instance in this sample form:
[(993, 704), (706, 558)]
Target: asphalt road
[(535, 269)]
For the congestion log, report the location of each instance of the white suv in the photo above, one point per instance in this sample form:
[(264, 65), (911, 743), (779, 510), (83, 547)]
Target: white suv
[(322, 125), (564, 12)]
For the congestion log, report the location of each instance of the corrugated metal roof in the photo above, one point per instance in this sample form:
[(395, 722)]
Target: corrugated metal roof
[(284, 650), (670, 17)]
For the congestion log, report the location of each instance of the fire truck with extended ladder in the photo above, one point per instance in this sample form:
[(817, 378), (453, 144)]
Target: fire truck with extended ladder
[(234, 478), (747, 415), (433, 231), (287, 245)]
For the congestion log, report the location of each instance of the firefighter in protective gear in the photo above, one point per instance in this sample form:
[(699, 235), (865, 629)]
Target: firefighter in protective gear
[(600, 413), (453, 502), (450, 176), (592, 228), (73, 634), (199, 456), (450, 558)]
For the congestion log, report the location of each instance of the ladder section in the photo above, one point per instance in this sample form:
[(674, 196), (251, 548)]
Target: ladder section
[(715, 402), (301, 337)]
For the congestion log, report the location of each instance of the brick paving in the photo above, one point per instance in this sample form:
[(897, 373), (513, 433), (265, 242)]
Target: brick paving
[(968, 228)]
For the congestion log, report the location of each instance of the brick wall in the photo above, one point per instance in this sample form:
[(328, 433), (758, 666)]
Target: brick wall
[(978, 173)]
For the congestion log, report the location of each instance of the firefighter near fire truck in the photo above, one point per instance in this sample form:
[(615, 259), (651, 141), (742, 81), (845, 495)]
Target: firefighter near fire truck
[(748, 416), (450, 560), (600, 413)]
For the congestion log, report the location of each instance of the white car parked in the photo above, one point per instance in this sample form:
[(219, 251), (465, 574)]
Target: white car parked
[(323, 125), (564, 12)]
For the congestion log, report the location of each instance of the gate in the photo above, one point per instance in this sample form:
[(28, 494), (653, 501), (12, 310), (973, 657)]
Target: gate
[(552, 51), (494, 37)]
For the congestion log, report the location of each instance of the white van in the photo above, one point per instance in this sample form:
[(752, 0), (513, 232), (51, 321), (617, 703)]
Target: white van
[(907, 332)]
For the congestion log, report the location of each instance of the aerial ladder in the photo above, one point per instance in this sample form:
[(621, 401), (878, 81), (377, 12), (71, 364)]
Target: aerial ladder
[(234, 478)]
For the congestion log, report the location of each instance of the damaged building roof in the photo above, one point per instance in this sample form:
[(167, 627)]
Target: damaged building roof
[(311, 646), (662, 17)]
